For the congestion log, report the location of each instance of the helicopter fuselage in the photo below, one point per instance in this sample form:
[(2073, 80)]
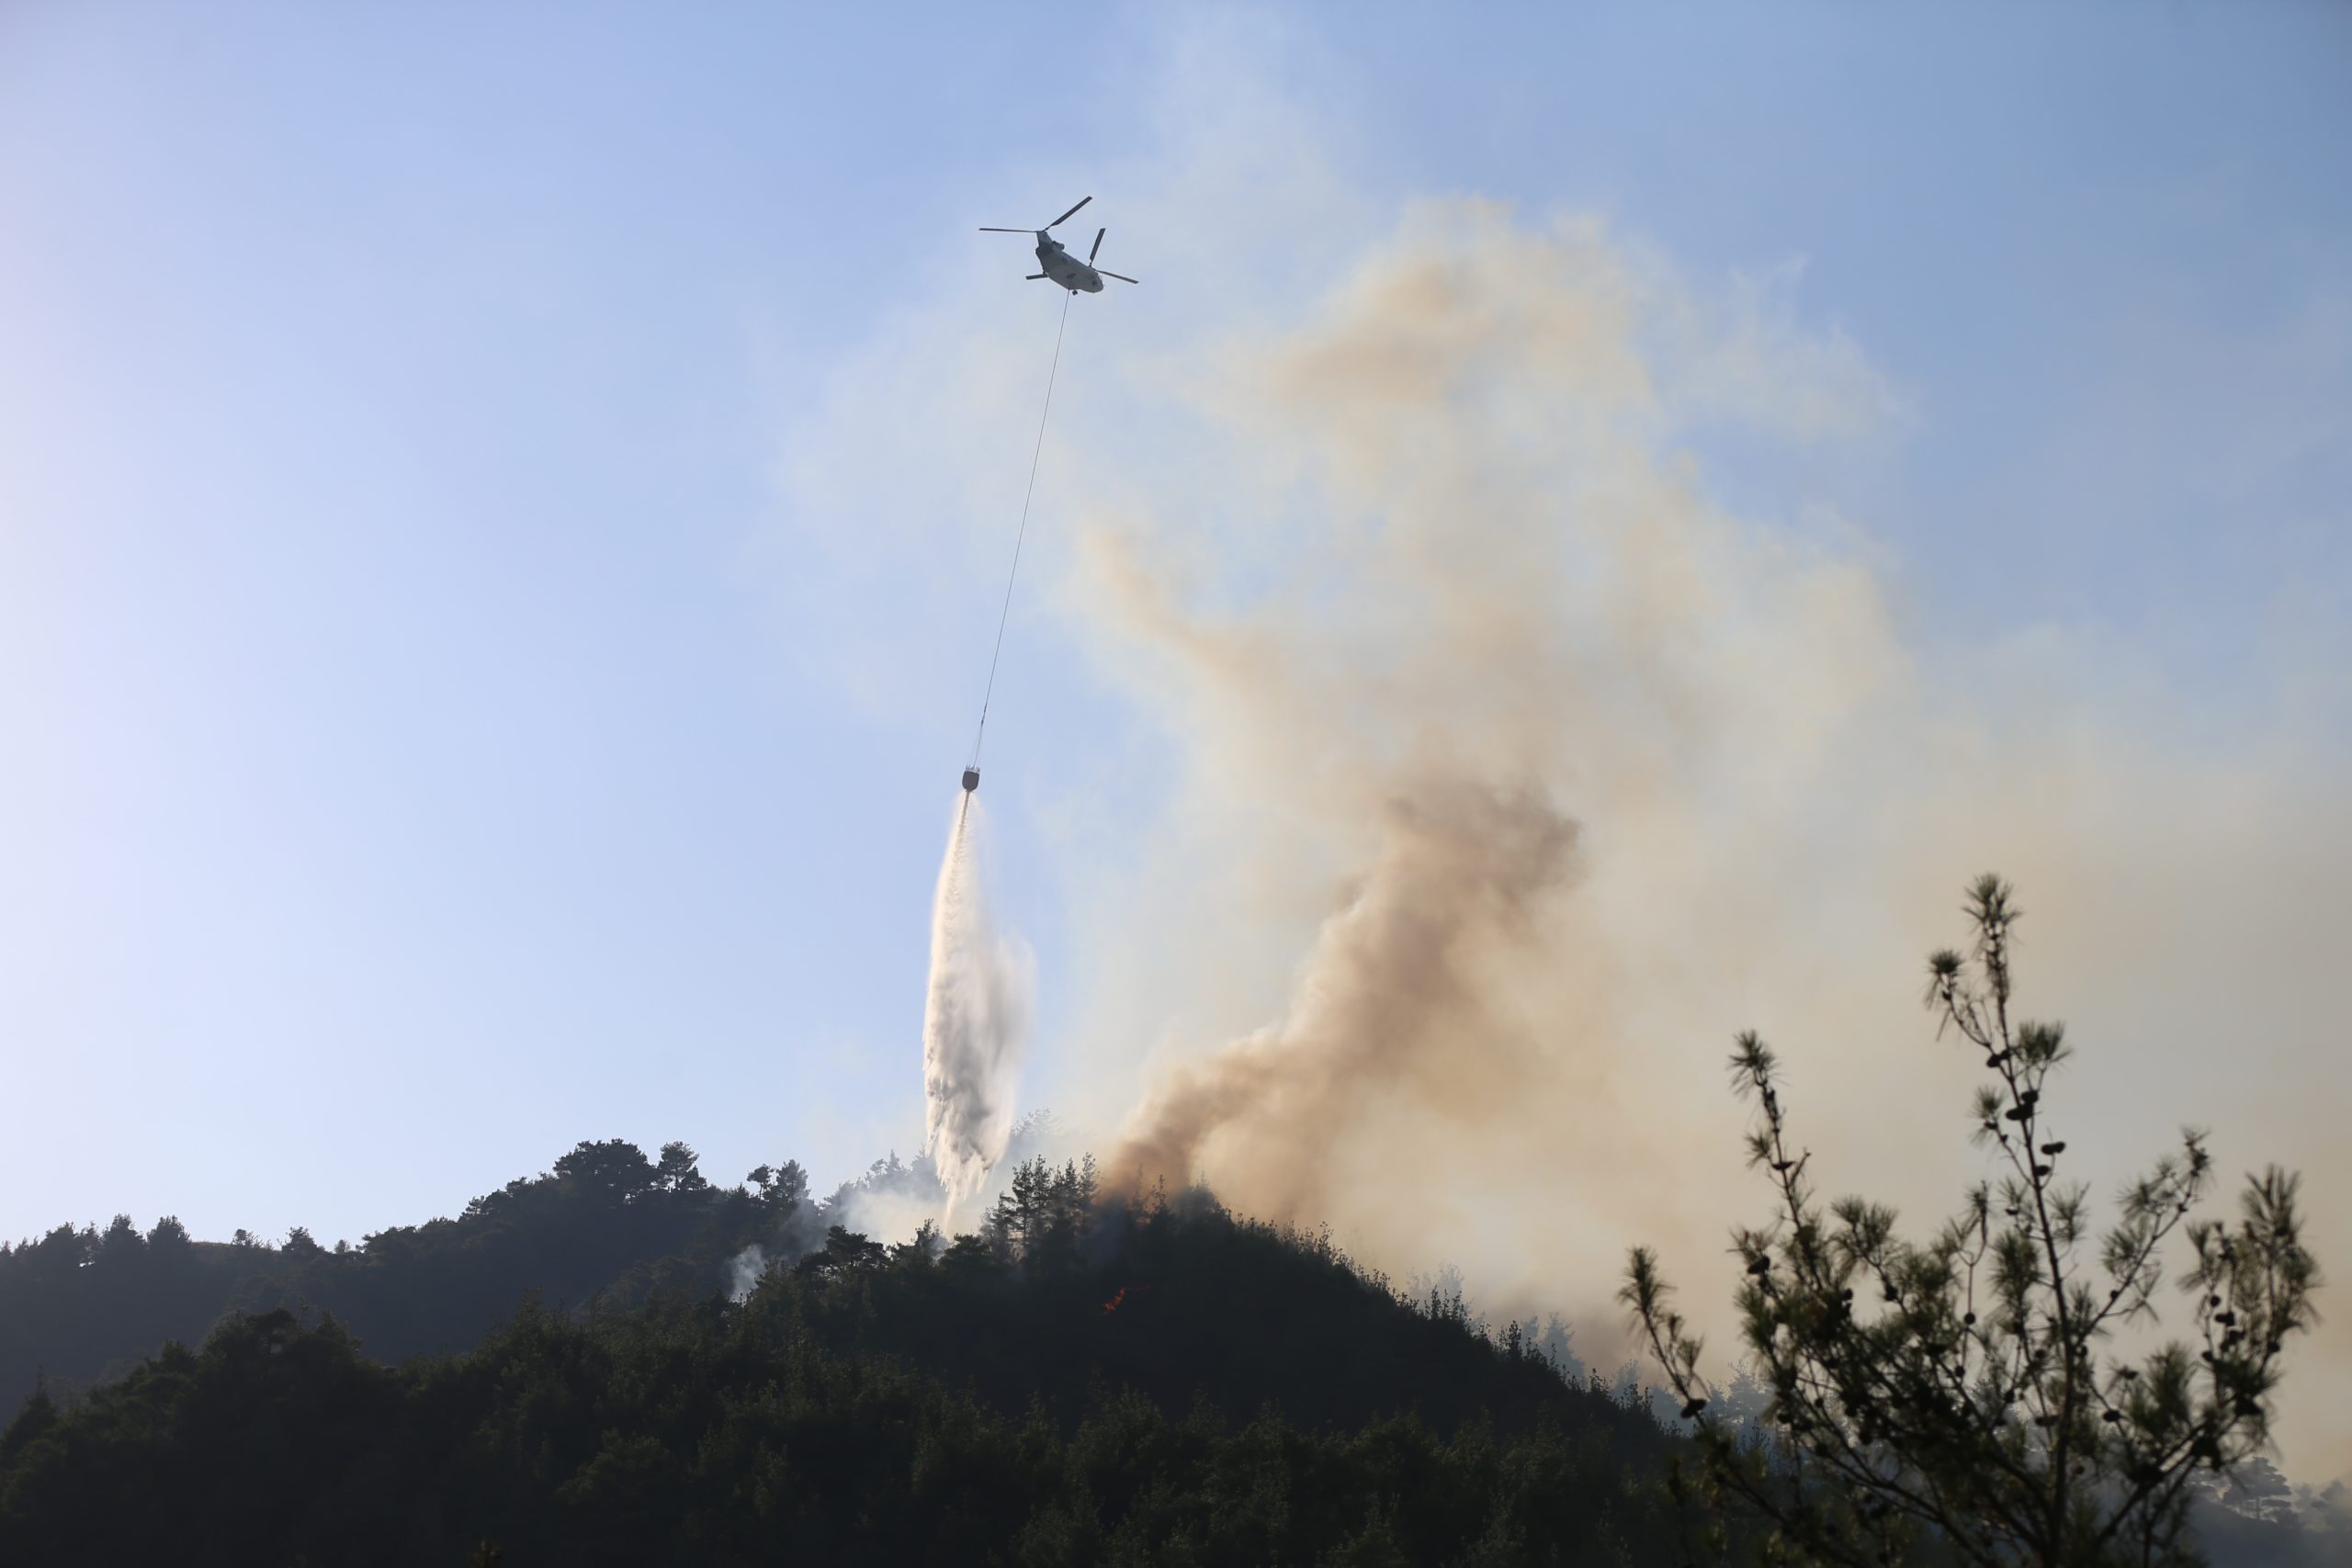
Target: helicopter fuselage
[(1065, 268)]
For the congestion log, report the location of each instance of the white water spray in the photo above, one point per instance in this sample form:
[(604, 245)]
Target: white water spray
[(975, 1020)]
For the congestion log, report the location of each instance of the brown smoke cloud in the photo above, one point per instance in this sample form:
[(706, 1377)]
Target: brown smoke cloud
[(1541, 773), (1478, 760), (1395, 1002), (1498, 606)]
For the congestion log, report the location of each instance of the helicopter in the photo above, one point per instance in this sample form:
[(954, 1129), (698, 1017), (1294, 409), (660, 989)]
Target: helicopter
[(1078, 276)]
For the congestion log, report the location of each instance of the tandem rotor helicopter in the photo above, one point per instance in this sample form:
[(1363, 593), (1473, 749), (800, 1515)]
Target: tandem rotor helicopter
[(1078, 276)]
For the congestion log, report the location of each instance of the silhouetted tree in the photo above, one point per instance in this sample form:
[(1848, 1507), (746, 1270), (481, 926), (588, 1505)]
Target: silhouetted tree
[(615, 1171), (676, 1171), (845, 1252), (1041, 1219), (1952, 1391), (784, 1187), (121, 1245)]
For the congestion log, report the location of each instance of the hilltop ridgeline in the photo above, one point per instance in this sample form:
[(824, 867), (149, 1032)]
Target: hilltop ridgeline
[(1083, 1378), (617, 1361)]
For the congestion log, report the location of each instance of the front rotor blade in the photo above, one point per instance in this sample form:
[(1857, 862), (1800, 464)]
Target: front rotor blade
[(1098, 242), (1120, 275), (985, 229), (1066, 217)]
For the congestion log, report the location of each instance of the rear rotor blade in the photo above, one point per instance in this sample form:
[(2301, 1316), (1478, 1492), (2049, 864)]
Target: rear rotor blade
[(985, 229), (1098, 242), (1120, 275), (1066, 216)]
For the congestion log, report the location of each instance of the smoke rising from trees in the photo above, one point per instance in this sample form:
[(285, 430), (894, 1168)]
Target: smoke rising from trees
[(1393, 982), (1476, 598), (1553, 771)]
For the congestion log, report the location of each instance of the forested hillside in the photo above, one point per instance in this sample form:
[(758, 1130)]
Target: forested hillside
[(618, 1362), (606, 1224), (1080, 1380)]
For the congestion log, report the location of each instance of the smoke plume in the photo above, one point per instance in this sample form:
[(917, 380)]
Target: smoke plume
[(1548, 770), (1512, 712), (1483, 605), (1391, 1003), (975, 1020)]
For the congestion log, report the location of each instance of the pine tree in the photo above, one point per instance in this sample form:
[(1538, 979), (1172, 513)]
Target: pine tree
[(1955, 1389)]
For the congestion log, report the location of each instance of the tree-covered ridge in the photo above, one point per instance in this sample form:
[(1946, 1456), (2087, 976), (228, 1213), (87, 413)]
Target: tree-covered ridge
[(606, 1224), (607, 1227), (1082, 1381), (618, 1361), (716, 1434)]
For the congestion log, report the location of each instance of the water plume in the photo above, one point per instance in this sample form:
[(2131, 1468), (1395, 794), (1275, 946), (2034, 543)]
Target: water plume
[(975, 1020)]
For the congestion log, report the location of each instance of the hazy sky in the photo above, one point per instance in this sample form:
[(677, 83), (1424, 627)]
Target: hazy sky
[(460, 693)]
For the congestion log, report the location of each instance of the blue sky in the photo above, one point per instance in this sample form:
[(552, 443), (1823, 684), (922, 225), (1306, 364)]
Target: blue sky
[(439, 727)]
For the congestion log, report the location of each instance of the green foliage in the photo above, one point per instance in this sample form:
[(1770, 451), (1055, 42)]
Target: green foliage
[(1089, 1382), (1951, 1393), (606, 1226)]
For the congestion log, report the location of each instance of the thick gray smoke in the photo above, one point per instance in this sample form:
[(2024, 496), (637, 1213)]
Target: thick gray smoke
[(975, 1020)]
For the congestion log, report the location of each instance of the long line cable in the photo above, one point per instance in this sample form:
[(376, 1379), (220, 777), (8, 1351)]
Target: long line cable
[(1005, 613)]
